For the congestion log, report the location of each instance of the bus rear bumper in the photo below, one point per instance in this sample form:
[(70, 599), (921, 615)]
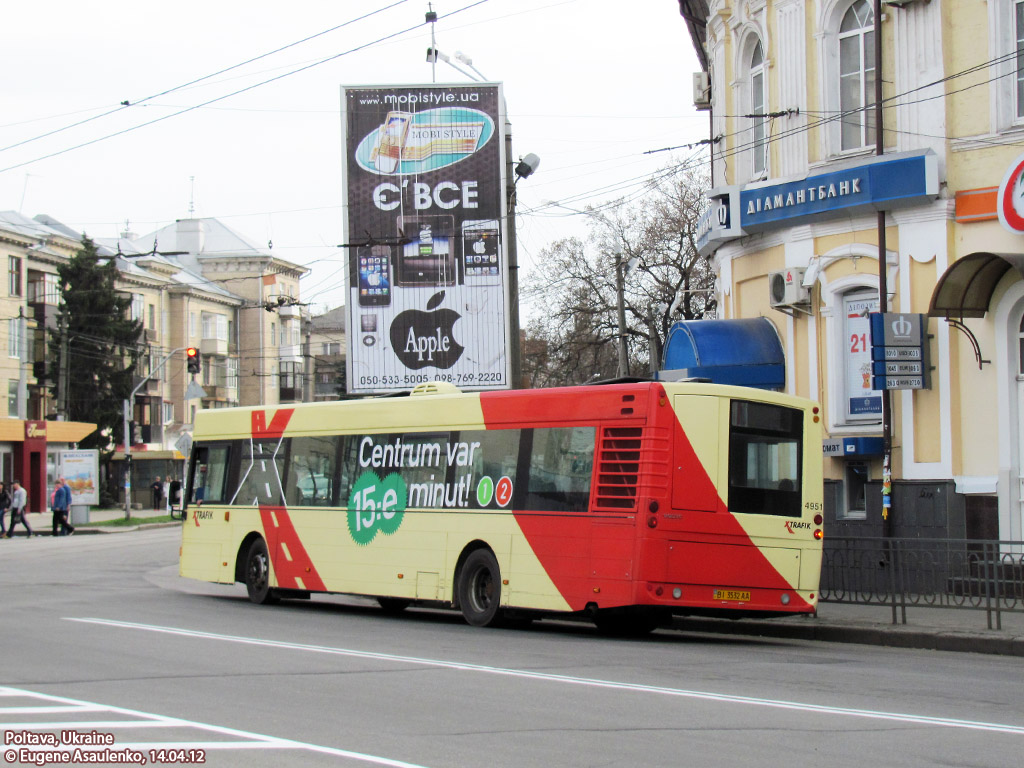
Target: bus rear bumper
[(718, 600)]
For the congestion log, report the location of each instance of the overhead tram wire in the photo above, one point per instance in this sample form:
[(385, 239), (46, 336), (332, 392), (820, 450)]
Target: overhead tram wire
[(128, 103), (237, 92)]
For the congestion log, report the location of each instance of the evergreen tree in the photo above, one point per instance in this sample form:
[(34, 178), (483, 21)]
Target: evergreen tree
[(103, 344)]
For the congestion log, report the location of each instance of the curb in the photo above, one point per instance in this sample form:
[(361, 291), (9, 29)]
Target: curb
[(886, 636)]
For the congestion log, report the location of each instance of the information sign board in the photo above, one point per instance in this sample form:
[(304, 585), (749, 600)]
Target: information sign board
[(899, 351)]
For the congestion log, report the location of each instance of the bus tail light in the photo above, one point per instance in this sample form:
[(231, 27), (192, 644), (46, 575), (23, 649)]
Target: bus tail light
[(818, 519), (785, 598), (677, 593), (652, 522), (818, 534)]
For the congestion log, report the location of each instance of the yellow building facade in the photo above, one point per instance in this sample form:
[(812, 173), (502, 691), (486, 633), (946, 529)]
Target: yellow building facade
[(794, 233)]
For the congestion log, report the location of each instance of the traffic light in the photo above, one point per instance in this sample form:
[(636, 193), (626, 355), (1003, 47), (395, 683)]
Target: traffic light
[(195, 360)]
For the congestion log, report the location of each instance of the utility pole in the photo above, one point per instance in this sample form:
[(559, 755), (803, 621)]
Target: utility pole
[(63, 374), (883, 286), (620, 290)]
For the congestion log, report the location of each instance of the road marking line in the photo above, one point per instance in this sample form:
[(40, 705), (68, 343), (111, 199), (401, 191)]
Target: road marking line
[(900, 717), (148, 719)]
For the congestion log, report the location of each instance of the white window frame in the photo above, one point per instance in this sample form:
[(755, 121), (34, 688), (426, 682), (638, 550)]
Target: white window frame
[(830, 18), (215, 326), (751, 36), (860, 36), (832, 296), (14, 337), (1005, 111), (758, 103)]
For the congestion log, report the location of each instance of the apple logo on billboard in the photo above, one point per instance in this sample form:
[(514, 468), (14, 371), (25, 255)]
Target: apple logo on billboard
[(422, 339)]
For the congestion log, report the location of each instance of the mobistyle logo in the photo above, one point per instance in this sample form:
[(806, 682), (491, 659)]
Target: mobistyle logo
[(417, 142)]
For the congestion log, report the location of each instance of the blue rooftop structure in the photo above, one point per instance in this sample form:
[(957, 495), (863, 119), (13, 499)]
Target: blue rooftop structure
[(742, 352)]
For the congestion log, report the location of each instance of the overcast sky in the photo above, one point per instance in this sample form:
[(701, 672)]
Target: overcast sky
[(590, 85)]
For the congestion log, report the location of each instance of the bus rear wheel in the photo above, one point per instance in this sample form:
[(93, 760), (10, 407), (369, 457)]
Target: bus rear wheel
[(480, 589), (257, 574)]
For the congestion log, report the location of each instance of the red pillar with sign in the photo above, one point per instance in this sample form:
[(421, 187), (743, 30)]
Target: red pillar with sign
[(30, 465)]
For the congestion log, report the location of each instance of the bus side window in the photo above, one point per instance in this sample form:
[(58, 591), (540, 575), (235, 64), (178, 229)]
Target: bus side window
[(311, 476), (561, 462)]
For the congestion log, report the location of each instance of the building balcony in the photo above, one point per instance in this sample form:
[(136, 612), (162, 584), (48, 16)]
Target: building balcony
[(290, 310), (151, 335), (214, 347), (291, 352), (290, 394)]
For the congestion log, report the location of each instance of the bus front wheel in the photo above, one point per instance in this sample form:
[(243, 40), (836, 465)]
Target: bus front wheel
[(257, 574), (480, 589)]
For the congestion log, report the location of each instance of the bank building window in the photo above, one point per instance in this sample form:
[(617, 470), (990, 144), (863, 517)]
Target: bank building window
[(857, 74), (758, 142)]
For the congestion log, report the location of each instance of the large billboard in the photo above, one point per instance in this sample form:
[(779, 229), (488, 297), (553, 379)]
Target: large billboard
[(424, 181)]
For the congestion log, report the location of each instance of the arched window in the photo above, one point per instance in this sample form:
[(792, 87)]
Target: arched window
[(758, 142), (857, 74)]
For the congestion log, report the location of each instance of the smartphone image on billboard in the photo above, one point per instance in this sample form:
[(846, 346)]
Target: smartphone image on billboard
[(374, 275), (481, 252), (428, 255), (391, 141)]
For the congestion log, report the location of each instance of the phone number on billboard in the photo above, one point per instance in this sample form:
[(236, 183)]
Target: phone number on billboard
[(453, 378)]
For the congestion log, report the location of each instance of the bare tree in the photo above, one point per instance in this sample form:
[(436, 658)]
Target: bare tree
[(574, 333)]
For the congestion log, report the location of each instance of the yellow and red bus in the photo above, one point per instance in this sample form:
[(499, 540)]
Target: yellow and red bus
[(627, 502)]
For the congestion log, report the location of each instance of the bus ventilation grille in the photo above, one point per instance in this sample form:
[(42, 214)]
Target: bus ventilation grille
[(618, 468)]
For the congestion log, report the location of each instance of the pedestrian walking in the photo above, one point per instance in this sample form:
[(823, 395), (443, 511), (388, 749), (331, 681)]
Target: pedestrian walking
[(5, 502), (61, 505), (158, 493), (19, 500)]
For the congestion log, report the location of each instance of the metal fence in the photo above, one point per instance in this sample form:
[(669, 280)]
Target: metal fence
[(927, 573)]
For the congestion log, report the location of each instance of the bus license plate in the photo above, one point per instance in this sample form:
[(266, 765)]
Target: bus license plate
[(732, 594)]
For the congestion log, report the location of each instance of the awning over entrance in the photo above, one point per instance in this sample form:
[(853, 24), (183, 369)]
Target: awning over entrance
[(966, 288), (744, 352)]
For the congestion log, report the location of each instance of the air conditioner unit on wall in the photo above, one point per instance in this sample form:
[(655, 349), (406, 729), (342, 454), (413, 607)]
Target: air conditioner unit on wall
[(701, 90), (786, 288)]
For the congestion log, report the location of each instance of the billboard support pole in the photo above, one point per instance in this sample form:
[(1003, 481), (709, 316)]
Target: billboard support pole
[(514, 352)]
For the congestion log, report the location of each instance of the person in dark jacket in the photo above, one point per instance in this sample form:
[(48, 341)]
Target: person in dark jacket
[(61, 507), (5, 502)]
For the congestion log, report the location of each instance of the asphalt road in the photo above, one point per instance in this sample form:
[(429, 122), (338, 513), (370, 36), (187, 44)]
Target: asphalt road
[(98, 635)]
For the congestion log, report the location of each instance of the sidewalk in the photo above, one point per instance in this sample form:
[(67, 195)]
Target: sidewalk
[(942, 629)]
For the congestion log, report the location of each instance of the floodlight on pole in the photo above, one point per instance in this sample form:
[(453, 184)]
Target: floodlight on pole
[(433, 55)]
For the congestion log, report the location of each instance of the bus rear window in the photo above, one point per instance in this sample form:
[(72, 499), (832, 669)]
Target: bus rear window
[(765, 457)]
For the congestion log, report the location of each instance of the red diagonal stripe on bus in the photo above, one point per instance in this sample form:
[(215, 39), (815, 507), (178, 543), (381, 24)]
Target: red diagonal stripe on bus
[(564, 543), (291, 561), (277, 426)]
